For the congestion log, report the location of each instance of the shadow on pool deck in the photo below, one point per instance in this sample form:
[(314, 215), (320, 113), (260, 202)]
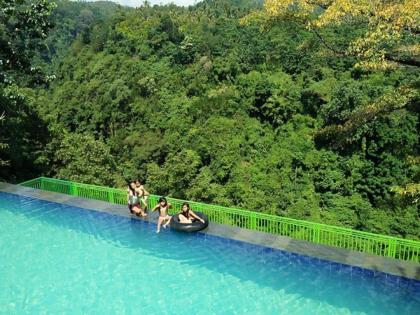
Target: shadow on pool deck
[(272, 259), (375, 263)]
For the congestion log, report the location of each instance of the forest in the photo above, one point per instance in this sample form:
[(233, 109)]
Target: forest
[(303, 109)]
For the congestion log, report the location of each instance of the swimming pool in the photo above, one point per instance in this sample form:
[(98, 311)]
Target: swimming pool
[(56, 258)]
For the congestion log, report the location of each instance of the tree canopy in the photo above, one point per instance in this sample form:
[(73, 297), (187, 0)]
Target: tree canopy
[(303, 111), (389, 29)]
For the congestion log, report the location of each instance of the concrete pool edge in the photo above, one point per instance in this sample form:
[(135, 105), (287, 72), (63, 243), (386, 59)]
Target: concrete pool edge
[(374, 263)]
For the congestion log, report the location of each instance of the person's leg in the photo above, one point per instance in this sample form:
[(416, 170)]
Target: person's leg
[(142, 212), (144, 202), (168, 219), (160, 220), (136, 209), (182, 219)]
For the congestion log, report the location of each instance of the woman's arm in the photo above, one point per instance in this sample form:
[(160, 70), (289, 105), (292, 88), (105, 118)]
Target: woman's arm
[(155, 207), (145, 192), (196, 216)]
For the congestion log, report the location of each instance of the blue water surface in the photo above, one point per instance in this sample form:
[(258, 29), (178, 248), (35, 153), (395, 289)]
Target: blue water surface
[(58, 259)]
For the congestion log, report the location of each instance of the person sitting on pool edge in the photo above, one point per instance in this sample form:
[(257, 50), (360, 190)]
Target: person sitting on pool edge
[(187, 215), (133, 200), (163, 207)]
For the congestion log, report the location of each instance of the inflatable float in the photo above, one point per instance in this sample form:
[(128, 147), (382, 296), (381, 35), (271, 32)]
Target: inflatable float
[(189, 227)]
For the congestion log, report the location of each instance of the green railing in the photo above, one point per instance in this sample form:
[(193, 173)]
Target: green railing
[(365, 242)]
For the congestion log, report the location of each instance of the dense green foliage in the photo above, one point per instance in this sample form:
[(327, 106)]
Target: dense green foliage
[(205, 108), (23, 27)]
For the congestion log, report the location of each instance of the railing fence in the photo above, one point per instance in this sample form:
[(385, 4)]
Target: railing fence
[(381, 245)]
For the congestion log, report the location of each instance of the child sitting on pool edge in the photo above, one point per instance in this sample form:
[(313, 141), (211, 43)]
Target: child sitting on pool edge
[(163, 207)]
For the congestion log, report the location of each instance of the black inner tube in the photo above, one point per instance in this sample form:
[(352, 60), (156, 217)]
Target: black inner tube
[(189, 227)]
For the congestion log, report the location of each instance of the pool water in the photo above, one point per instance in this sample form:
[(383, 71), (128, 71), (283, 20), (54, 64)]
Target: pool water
[(57, 259)]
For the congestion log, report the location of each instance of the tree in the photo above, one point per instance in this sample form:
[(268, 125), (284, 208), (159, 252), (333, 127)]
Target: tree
[(410, 192), (82, 158), (351, 120), (176, 175), (23, 134), (273, 98), (23, 27), (3, 145), (392, 27)]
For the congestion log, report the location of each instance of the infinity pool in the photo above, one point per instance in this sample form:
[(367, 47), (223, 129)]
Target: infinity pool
[(57, 259)]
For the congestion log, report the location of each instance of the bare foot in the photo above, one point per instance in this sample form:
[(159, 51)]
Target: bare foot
[(157, 231)]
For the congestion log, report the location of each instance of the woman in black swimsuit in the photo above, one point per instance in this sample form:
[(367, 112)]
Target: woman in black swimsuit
[(187, 215)]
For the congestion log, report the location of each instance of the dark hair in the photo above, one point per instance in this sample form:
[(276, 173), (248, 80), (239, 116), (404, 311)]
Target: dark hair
[(131, 188), (186, 213), (137, 180), (163, 199)]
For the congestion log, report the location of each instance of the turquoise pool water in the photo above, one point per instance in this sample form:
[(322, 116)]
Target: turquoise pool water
[(58, 259)]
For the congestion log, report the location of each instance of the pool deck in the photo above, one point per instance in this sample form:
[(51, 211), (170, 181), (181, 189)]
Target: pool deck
[(391, 266)]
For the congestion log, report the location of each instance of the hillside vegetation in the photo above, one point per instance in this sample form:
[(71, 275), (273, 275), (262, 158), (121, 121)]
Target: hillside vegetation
[(215, 104)]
